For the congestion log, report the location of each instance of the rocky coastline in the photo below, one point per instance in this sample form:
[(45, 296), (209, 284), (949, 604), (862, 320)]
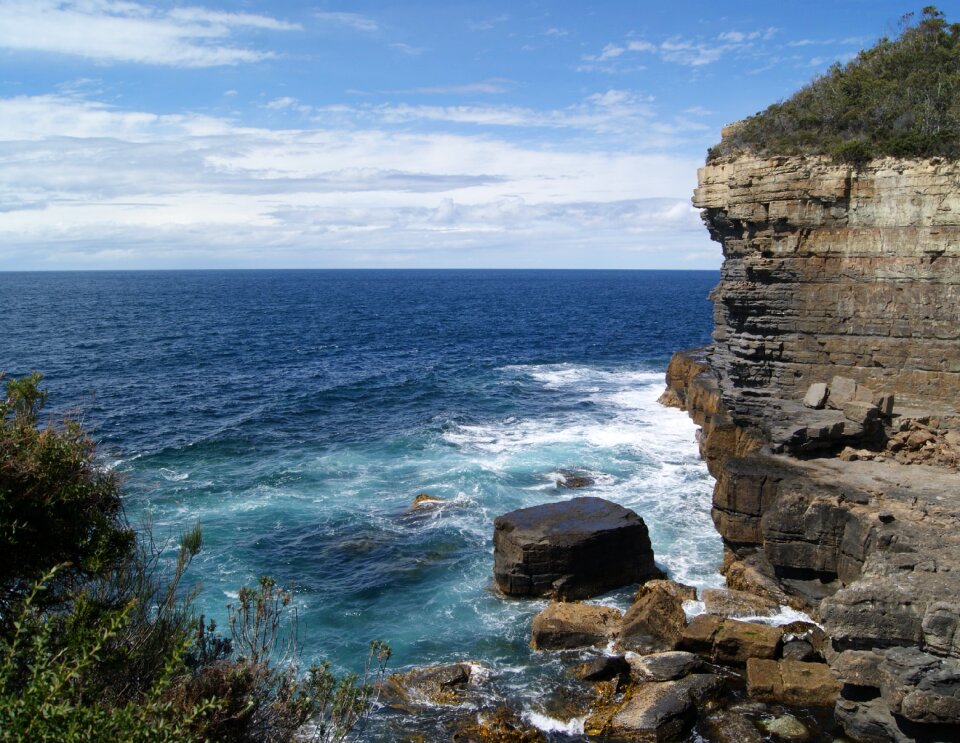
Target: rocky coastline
[(844, 282), (827, 407)]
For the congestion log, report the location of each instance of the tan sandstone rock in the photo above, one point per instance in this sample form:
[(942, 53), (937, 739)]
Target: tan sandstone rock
[(567, 625)]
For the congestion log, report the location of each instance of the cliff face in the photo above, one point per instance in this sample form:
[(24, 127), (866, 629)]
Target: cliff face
[(829, 269), (850, 510)]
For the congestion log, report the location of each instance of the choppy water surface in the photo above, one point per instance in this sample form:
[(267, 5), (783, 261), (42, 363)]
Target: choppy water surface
[(297, 414)]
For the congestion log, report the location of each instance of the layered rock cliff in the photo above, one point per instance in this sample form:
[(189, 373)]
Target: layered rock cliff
[(847, 279)]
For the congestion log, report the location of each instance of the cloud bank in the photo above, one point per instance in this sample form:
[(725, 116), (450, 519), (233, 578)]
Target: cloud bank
[(83, 184)]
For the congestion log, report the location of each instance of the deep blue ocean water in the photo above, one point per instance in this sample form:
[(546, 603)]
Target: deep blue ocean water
[(296, 414)]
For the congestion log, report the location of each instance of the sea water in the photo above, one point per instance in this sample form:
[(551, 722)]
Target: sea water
[(296, 415)]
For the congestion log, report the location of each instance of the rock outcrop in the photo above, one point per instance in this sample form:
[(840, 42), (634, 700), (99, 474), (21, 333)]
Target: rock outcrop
[(573, 549), (828, 403)]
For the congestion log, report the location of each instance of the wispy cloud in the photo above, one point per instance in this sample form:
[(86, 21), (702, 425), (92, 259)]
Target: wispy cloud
[(87, 184), (120, 31), (609, 112), (677, 49), (487, 24), (490, 86), (413, 51), (351, 20)]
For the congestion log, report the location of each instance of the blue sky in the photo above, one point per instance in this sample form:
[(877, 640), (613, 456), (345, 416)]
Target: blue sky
[(386, 134)]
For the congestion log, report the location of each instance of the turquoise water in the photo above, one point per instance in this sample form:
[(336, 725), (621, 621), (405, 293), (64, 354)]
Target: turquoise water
[(297, 414)]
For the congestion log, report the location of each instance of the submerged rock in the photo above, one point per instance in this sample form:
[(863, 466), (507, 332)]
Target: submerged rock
[(573, 480), (502, 725), (787, 727), (430, 685), (728, 726), (571, 550), (425, 500)]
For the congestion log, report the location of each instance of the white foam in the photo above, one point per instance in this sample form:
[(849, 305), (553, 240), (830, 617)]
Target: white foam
[(173, 475), (547, 724), (692, 608), (786, 615)]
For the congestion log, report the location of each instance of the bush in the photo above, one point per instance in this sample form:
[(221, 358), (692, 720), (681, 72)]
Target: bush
[(855, 152), (899, 98), (57, 506), (99, 642), (45, 694)]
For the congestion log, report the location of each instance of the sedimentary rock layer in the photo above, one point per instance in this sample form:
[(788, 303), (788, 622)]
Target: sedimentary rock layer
[(831, 267), (831, 271)]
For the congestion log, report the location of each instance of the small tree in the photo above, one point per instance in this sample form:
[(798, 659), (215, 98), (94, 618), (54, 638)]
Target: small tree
[(57, 505)]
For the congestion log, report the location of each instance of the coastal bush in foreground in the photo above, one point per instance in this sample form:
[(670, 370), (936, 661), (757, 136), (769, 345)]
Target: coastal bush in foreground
[(57, 507), (98, 640), (900, 98)]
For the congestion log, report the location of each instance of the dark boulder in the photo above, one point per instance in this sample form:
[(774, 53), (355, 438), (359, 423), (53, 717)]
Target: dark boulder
[(573, 549)]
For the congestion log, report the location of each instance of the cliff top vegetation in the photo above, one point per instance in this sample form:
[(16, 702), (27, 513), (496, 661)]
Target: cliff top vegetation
[(900, 98)]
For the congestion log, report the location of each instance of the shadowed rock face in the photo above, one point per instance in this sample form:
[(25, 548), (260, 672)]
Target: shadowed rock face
[(571, 550)]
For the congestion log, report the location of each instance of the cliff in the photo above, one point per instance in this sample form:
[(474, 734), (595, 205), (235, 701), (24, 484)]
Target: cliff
[(828, 405)]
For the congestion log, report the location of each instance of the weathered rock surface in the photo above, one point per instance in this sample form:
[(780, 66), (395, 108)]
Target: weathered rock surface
[(731, 727), (836, 329), (656, 620), (791, 682), (571, 549), (729, 603), (834, 271), (564, 625), (730, 641), (603, 668), (657, 711), (667, 666)]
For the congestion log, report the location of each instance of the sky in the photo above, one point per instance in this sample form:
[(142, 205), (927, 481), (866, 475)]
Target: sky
[(408, 134)]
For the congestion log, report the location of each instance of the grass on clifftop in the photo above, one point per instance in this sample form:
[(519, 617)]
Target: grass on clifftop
[(900, 98)]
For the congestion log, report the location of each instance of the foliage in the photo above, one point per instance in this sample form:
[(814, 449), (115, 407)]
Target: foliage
[(44, 686), (899, 98), (57, 506), (98, 639), (266, 697)]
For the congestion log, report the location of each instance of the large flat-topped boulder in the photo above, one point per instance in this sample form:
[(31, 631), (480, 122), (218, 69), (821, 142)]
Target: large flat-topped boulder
[(571, 549)]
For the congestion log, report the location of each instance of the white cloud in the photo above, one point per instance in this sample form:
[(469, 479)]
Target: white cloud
[(490, 86), (114, 31), (690, 54), (413, 51), (352, 20), (85, 184), (611, 112), (677, 50), (487, 24)]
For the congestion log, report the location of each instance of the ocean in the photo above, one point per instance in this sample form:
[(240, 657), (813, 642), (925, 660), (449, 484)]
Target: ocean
[(296, 415)]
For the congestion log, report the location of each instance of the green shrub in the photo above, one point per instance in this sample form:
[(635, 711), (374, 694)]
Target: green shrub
[(899, 98), (98, 641), (45, 690), (57, 506), (854, 152)]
